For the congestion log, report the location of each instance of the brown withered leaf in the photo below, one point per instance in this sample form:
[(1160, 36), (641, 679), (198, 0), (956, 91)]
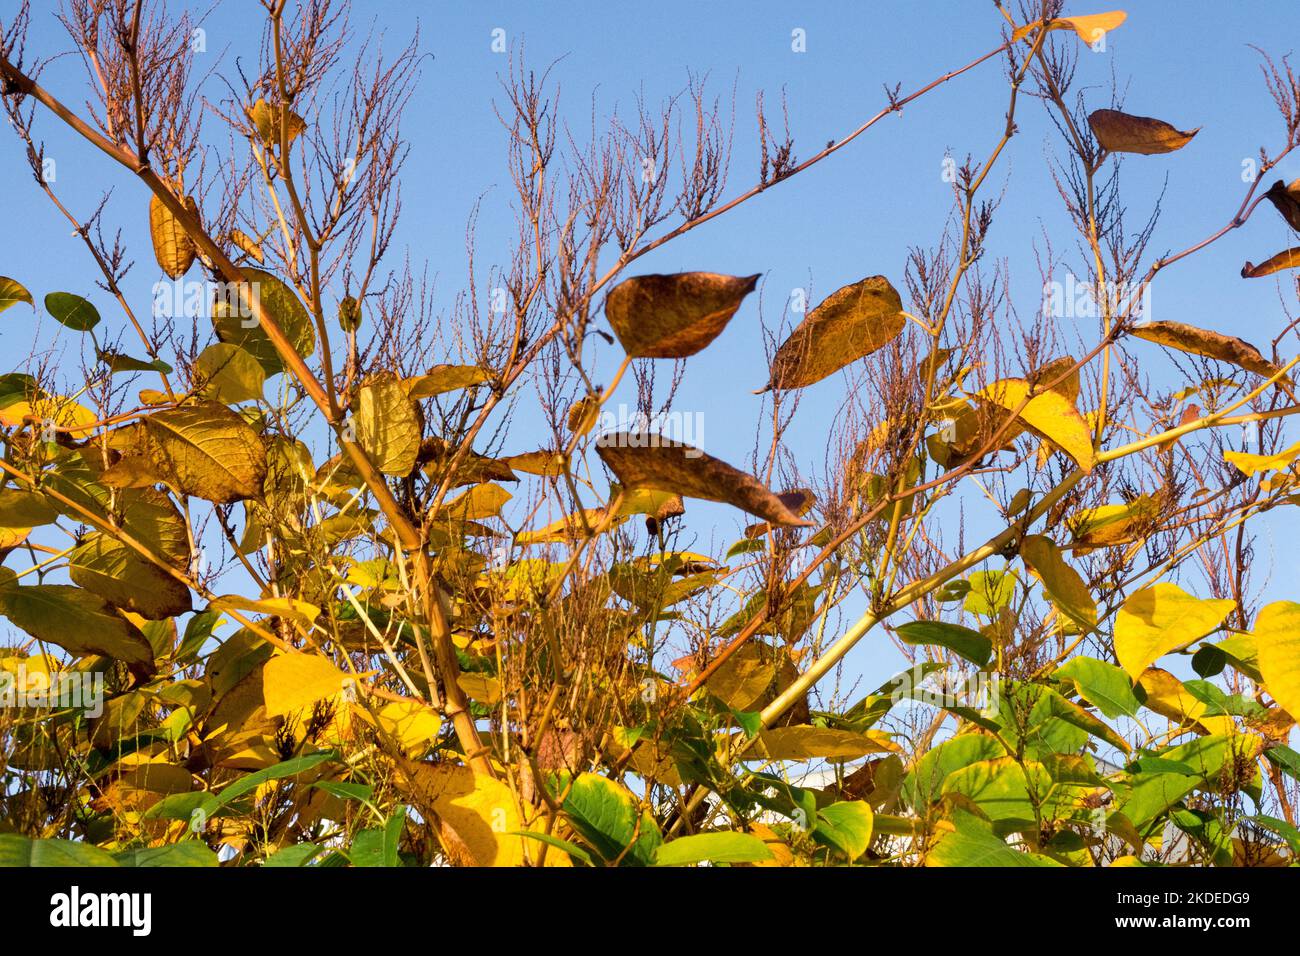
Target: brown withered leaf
[(1215, 345), (651, 461), (673, 316), (172, 246), (1123, 133), (1286, 259), (1287, 200), (849, 324), (800, 501)]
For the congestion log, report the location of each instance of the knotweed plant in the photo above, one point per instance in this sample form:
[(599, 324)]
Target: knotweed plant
[(324, 601)]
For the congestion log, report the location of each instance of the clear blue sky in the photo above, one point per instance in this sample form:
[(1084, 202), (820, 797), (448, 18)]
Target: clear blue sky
[(854, 215)]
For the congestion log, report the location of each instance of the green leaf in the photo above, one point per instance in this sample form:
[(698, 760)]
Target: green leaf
[(575, 851), (605, 816), (300, 854), (1158, 619), (924, 784), (1103, 685), (388, 426), (186, 853), (235, 319), (72, 311), (117, 362), (79, 622), (973, 843), (279, 771), (990, 591), (18, 850), (726, 847), (227, 374), (970, 644), (12, 292), (208, 451), (845, 826)]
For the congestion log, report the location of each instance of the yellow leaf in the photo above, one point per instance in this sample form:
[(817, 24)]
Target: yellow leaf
[(286, 607), (479, 815), (807, 742), (1063, 584), (1158, 619), (1166, 695), (1253, 464), (413, 724), (1050, 414), (480, 687), (1286, 259), (291, 682), (1277, 633), (1090, 27)]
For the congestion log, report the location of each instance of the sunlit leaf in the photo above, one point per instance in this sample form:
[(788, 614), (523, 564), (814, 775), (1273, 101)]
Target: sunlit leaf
[(851, 323), (1049, 414), (1063, 584), (649, 461), (206, 450), (388, 426), (673, 316), (1277, 634), (1158, 619), (1286, 259), (12, 292), (291, 682), (1215, 345), (1123, 133)]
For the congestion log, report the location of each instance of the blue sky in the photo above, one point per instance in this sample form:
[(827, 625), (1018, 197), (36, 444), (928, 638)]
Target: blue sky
[(854, 215)]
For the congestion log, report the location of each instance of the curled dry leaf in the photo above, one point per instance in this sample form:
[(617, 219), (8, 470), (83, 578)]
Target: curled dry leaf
[(1286, 259), (673, 316), (1215, 345), (651, 461), (799, 501), (1287, 200), (1122, 133), (849, 324), (172, 245)]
